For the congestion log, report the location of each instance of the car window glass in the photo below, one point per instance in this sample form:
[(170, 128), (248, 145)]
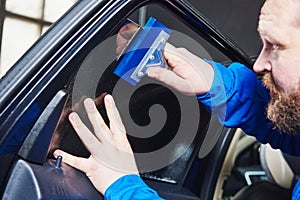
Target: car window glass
[(162, 125)]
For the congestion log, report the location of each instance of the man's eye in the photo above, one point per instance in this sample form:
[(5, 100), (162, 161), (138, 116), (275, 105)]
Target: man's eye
[(275, 47), (271, 47)]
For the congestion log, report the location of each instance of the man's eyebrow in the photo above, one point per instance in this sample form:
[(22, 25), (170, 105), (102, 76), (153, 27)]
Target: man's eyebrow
[(268, 35), (261, 31)]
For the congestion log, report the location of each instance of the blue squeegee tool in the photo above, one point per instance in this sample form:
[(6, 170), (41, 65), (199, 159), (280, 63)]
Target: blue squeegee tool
[(145, 49)]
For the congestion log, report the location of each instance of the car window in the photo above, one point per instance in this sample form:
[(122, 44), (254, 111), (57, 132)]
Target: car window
[(163, 125)]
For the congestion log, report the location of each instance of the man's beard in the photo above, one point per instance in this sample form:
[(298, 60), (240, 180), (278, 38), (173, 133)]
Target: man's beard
[(284, 108)]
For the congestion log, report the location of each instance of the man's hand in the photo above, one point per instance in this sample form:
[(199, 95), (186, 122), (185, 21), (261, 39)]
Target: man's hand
[(189, 74), (111, 155)]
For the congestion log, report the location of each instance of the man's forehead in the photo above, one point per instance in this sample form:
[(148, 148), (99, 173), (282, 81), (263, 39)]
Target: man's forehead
[(267, 17), (272, 7), (278, 14), (280, 11)]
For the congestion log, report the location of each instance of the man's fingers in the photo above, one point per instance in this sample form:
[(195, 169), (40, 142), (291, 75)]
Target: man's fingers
[(177, 61), (88, 139), (100, 128), (164, 75), (76, 162), (168, 77), (116, 124), (169, 48), (171, 53)]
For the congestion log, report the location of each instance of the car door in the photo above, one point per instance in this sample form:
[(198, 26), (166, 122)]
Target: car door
[(179, 147)]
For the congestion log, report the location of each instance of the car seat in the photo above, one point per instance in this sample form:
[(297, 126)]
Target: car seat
[(282, 173)]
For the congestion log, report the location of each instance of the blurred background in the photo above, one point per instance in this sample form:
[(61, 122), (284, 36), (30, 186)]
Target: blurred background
[(22, 22)]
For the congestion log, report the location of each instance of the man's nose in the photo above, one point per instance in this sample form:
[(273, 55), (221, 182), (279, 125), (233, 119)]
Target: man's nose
[(262, 64)]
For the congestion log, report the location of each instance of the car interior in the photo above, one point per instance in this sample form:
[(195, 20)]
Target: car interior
[(182, 151), (270, 175)]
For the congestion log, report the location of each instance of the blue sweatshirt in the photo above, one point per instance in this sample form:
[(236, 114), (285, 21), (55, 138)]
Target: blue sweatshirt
[(130, 187), (237, 99)]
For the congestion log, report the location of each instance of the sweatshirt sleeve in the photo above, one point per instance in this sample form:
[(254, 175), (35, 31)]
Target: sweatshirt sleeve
[(296, 191), (238, 99), (130, 187)]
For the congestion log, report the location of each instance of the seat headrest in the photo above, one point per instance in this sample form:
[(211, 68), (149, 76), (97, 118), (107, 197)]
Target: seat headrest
[(275, 166)]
